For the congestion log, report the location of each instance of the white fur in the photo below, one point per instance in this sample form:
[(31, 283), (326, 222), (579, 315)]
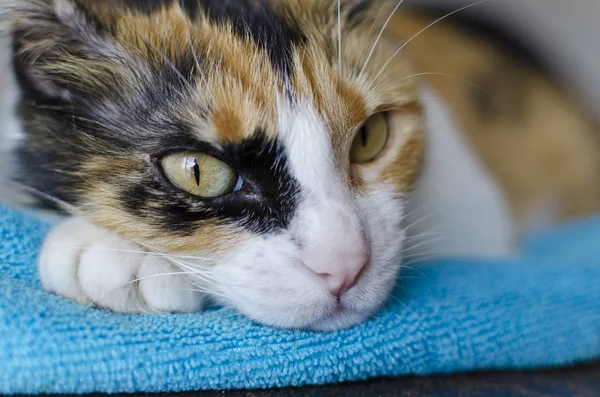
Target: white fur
[(90, 265), (327, 224), (455, 195)]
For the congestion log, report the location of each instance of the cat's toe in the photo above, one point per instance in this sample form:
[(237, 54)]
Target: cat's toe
[(108, 271), (166, 288), (58, 263), (86, 263)]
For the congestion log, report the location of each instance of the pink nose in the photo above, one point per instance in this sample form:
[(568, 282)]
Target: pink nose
[(337, 284), (340, 270), (333, 246)]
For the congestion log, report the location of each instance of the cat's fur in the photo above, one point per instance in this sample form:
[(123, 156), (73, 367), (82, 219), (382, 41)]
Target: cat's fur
[(266, 87)]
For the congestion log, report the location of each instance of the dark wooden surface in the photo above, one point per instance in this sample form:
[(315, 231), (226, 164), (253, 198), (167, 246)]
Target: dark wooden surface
[(583, 381)]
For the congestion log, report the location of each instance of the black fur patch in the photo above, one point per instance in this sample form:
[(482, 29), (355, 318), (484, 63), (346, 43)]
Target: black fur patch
[(266, 202)]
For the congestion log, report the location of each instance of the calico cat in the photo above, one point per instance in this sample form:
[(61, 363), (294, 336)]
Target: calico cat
[(274, 156)]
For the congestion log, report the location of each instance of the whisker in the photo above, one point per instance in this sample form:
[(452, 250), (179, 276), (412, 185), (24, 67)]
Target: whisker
[(151, 253), (364, 43), (467, 82), (401, 101), (190, 268), (61, 203), (158, 275), (202, 275), (208, 292), (226, 314), (420, 254), (401, 277), (339, 23), (421, 219), (420, 260), (398, 300), (411, 213), (147, 309), (195, 55), (423, 30), (379, 38), (422, 243), (422, 235), (412, 269), (182, 256)]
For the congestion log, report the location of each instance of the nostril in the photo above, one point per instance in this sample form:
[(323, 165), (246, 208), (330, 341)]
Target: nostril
[(338, 285), (334, 283), (339, 269)]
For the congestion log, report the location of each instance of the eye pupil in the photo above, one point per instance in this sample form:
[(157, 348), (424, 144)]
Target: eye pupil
[(370, 139), (199, 174), (196, 172)]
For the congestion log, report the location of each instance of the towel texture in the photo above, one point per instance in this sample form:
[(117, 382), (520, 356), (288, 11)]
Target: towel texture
[(542, 309)]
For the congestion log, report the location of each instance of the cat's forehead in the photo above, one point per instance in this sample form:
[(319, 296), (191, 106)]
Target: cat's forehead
[(238, 60), (214, 28)]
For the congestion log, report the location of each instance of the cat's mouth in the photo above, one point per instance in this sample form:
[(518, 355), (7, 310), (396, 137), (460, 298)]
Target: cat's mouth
[(352, 308), (341, 313)]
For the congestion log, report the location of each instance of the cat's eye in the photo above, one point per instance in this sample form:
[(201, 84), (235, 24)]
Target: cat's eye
[(200, 174), (370, 139)]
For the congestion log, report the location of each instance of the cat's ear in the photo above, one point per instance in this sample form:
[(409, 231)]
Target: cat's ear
[(57, 45)]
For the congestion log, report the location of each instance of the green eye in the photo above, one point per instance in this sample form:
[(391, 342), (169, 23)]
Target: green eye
[(200, 174), (370, 140)]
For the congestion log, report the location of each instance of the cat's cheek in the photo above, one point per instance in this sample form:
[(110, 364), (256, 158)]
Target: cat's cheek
[(382, 213), (264, 280)]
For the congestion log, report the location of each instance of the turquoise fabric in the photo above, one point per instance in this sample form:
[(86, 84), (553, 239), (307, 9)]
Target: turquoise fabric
[(539, 310)]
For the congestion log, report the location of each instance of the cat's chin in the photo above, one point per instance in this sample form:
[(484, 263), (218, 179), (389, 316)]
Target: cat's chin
[(326, 314), (336, 320), (342, 318), (305, 305)]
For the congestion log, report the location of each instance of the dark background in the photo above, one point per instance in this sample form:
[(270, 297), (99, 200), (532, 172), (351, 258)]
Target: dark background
[(581, 381)]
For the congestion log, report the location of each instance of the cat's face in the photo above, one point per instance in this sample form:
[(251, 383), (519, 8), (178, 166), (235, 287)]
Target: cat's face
[(232, 134)]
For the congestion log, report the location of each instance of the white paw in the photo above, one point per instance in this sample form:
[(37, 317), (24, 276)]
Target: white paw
[(86, 263)]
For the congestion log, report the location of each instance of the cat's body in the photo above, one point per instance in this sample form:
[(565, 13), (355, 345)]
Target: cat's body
[(325, 141), (538, 147)]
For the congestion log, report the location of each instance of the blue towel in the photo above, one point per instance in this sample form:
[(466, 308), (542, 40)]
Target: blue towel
[(540, 310)]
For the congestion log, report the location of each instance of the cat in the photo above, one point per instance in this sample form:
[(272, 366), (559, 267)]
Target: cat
[(277, 157)]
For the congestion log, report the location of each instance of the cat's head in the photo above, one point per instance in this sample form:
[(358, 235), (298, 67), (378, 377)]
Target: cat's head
[(270, 143)]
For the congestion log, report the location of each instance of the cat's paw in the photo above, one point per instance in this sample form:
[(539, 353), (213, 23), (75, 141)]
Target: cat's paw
[(86, 263)]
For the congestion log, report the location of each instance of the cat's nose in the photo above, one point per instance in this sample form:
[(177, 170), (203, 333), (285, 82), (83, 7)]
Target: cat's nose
[(339, 266), (342, 275), (333, 245)]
